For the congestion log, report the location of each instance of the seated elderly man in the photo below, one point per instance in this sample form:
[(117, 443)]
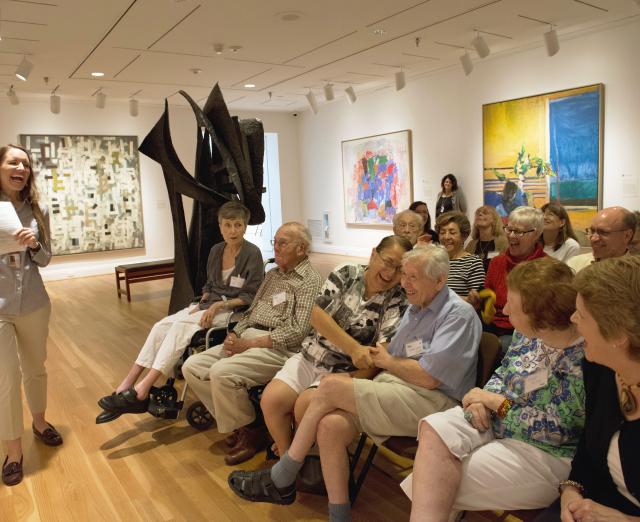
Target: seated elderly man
[(260, 344), (428, 366), (409, 224), (610, 234)]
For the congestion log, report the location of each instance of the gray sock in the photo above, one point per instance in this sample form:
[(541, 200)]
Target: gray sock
[(285, 471), (340, 512)]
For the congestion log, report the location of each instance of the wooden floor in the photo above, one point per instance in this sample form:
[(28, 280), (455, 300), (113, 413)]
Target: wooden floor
[(137, 467)]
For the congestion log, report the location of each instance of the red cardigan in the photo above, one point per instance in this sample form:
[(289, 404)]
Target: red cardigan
[(496, 280)]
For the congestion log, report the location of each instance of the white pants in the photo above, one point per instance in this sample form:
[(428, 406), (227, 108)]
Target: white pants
[(299, 374), (505, 474), (23, 351), (170, 336)]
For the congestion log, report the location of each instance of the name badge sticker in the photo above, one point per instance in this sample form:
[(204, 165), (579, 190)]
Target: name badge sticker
[(14, 260), (413, 348), (279, 298), (536, 380), (491, 255), (236, 281)]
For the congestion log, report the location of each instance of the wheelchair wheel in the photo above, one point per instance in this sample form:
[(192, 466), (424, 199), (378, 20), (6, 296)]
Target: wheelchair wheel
[(199, 417)]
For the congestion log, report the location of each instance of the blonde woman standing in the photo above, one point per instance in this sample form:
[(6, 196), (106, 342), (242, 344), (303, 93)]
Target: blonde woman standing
[(24, 314)]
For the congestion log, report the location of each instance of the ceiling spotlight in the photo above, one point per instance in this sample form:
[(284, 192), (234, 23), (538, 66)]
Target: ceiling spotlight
[(13, 97), (54, 103), (380, 32), (351, 94), (551, 42), (24, 69), (401, 80), (467, 64), (97, 74), (249, 85), (311, 100), (235, 48), (328, 92), (218, 48), (480, 45), (196, 70), (133, 107), (101, 100)]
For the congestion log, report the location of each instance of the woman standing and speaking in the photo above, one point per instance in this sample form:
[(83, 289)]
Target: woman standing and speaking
[(24, 314)]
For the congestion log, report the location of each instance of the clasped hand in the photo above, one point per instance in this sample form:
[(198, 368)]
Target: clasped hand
[(234, 344)]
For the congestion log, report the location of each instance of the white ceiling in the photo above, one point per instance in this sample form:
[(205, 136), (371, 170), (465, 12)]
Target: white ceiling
[(147, 48)]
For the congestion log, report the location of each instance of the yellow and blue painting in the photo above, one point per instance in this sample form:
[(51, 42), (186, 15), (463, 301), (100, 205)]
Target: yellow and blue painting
[(545, 148), (376, 177)]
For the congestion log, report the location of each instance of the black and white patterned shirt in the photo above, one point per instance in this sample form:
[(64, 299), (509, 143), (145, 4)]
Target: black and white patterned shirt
[(465, 274), (368, 321), (283, 305)]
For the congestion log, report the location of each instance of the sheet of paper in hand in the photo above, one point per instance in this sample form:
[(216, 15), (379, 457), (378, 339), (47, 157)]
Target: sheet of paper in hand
[(9, 224)]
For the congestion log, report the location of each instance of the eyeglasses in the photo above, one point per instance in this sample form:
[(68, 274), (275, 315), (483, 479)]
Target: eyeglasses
[(517, 233), (410, 226), (282, 243), (389, 264), (590, 232)]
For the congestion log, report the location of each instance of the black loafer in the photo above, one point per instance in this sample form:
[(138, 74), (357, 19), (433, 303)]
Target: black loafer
[(50, 436), (124, 402), (12, 473), (107, 416)]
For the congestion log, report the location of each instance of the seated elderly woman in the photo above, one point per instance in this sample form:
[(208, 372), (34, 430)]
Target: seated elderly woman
[(511, 442), (408, 224), (428, 366), (466, 272), (357, 307), (487, 235), (604, 483), (234, 273), (523, 230)]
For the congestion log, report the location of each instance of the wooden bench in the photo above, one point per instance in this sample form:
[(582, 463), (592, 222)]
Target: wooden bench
[(136, 272)]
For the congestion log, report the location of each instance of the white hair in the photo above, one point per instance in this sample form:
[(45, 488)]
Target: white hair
[(302, 233), (433, 259), (409, 214), (527, 217)]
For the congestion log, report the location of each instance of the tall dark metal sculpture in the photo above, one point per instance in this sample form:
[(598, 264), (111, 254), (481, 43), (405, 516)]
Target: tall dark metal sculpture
[(229, 154)]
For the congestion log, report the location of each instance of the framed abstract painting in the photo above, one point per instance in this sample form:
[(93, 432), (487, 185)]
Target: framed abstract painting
[(376, 174), (546, 148), (91, 185)]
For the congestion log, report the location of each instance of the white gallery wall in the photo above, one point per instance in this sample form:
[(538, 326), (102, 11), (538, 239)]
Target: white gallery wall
[(32, 116), (444, 112)]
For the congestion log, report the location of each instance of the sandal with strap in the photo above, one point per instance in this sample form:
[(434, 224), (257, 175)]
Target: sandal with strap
[(257, 486)]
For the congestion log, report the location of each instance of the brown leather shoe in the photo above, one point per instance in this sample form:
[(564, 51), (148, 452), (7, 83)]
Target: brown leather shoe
[(250, 442), (12, 473), (232, 439), (50, 436)]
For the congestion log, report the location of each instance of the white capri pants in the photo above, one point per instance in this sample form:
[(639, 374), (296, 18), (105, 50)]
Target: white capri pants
[(505, 474), (299, 374), (23, 351), (170, 336)]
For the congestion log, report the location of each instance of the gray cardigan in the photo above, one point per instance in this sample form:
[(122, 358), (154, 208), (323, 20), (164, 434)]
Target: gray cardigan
[(248, 266), (457, 200)]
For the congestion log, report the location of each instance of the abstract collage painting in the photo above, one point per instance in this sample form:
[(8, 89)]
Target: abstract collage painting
[(545, 148), (376, 173), (91, 185)]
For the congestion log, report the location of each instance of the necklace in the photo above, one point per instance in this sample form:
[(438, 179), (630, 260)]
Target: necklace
[(628, 402), (484, 248)]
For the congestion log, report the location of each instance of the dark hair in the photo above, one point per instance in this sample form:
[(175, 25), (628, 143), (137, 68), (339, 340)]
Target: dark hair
[(234, 210), (391, 241), (452, 178), (30, 192), (427, 224), (567, 230), (454, 217), (547, 293)]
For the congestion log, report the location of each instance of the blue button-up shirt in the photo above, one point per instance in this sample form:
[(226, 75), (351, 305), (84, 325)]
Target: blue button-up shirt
[(450, 331), (21, 288)]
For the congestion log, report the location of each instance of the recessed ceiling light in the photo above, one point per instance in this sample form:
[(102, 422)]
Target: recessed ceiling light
[(289, 16), (378, 32), (196, 70), (249, 85), (97, 74)]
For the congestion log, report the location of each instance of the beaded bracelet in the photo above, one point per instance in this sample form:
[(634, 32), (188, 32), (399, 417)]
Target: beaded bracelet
[(504, 408), (566, 483)]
